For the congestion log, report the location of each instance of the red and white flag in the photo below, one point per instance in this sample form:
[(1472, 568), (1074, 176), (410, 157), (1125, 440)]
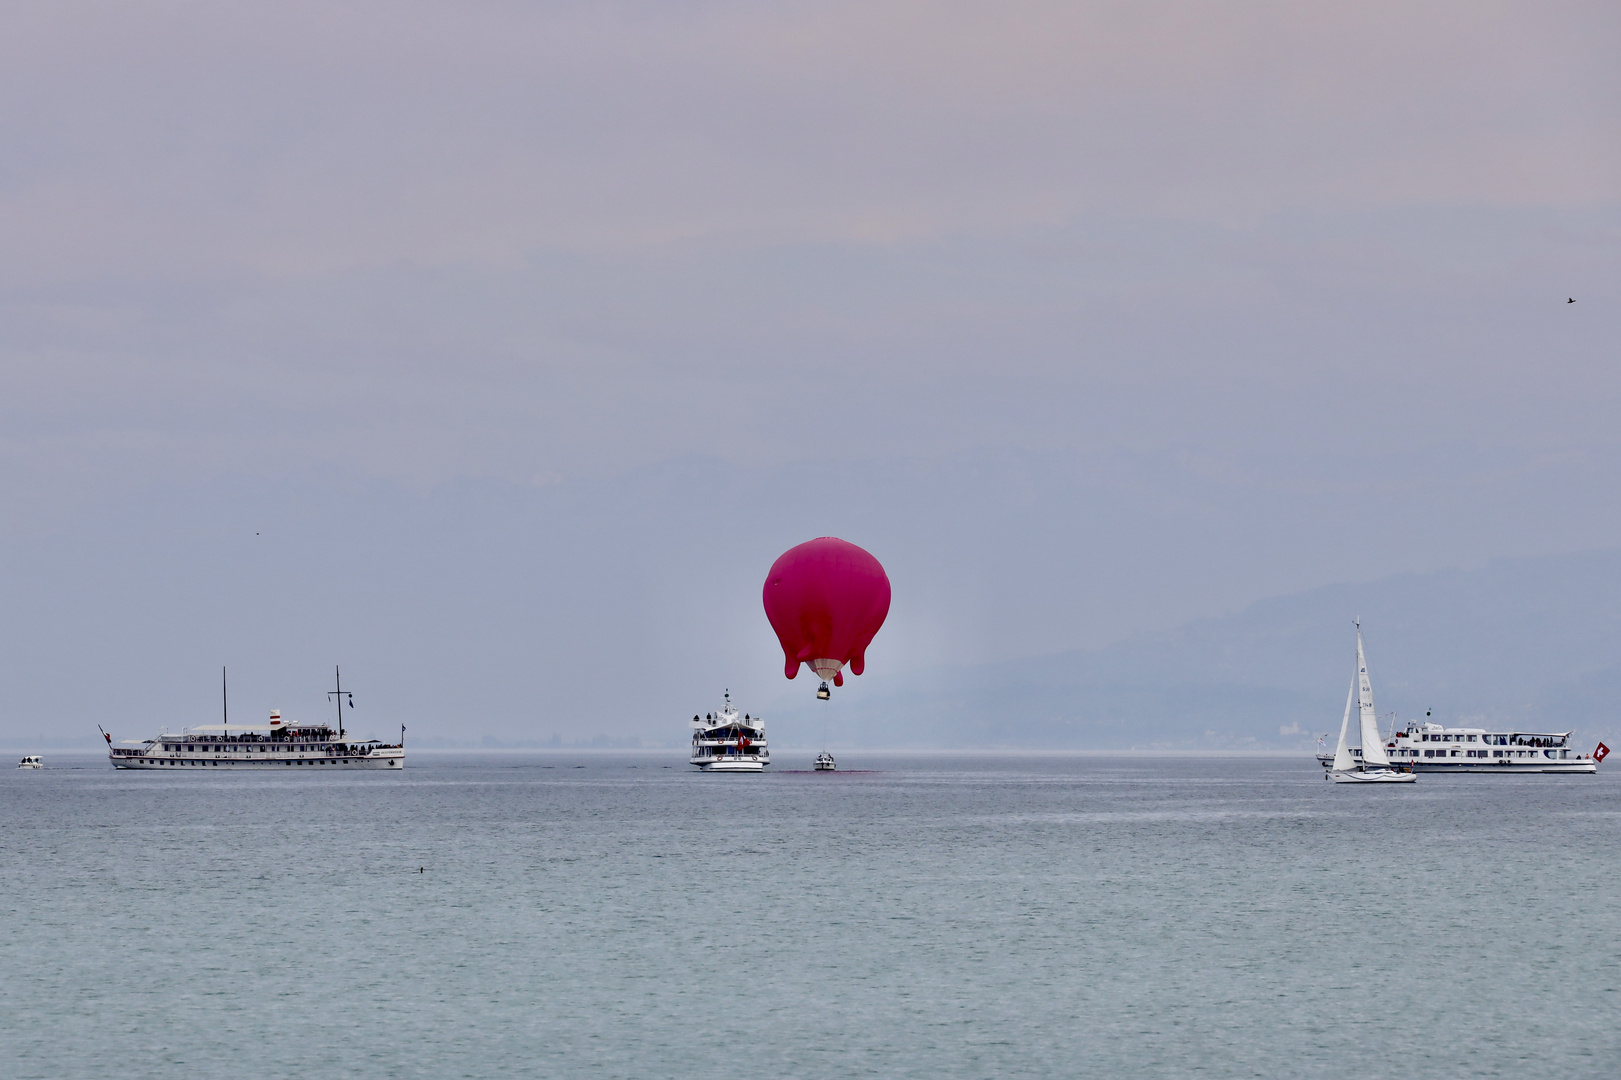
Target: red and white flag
[(1599, 754)]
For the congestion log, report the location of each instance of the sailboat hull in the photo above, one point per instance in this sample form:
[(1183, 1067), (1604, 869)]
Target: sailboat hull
[(1371, 776)]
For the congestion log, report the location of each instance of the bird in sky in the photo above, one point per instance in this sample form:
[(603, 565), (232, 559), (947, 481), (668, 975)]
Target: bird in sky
[(1572, 300)]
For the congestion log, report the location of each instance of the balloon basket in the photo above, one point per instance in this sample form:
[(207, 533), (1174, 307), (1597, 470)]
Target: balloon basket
[(823, 693)]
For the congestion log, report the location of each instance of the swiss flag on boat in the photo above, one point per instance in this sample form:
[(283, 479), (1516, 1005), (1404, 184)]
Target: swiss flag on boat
[(1601, 752)]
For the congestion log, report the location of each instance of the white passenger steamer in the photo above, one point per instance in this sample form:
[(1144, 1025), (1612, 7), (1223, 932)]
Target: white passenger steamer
[(273, 745), (726, 742)]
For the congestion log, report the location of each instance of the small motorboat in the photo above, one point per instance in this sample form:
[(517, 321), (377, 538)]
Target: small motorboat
[(32, 761), (825, 762)]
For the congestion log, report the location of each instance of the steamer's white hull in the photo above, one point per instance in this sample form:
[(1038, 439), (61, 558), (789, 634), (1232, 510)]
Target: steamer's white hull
[(382, 759)]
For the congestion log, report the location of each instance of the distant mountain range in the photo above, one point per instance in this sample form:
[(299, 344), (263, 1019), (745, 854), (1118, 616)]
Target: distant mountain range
[(1530, 642)]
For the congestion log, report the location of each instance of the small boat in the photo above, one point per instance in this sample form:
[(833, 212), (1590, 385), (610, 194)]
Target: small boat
[(825, 762), (32, 761), (1375, 767)]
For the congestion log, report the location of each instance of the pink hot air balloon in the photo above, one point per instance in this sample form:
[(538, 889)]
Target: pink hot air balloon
[(826, 599)]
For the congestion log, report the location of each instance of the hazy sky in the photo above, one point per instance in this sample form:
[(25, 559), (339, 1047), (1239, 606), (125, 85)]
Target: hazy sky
[(527, 335)]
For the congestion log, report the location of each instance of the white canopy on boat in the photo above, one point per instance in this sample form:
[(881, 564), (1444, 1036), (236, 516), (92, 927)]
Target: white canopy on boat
[(244, 729)]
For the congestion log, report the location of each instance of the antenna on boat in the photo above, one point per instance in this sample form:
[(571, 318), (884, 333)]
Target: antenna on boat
[(340, 694), (225, 702)]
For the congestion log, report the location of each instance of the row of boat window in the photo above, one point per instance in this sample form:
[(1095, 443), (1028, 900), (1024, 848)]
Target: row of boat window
[(203, 748), (1471, 753), (291, 736), (290, 761), (1495, 740)]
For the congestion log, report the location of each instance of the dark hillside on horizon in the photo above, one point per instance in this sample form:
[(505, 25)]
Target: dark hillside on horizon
[(1530, 642)]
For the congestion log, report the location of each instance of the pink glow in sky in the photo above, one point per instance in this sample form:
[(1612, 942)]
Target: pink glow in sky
[(1110, 308)]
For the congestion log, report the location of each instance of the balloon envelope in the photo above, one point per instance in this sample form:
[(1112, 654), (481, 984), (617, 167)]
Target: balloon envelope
[(826, 598)]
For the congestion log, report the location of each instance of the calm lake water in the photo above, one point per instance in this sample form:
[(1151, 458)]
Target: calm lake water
[(608, 916)]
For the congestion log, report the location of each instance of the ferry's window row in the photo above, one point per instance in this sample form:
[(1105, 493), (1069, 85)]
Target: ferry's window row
[(299, 748), (1495, 740), (323, 748), (289, 761), (285, 737), (1442, 752)]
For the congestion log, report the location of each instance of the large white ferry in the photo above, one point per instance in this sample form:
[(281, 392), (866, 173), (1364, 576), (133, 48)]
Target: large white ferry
[(1432, 747), (726, 742), (274, 745)]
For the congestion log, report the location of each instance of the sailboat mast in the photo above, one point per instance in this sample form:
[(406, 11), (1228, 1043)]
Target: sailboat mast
[(1373, 747)]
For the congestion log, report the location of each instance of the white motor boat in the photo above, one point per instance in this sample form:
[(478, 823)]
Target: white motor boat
[(1375, 767), (32, 761), (725, 742), (825, 762)]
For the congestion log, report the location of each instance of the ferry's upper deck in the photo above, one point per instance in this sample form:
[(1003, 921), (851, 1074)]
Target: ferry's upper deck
[(1428, 744)]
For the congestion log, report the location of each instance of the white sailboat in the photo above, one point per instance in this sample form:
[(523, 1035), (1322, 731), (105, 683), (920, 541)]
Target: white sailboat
[(1375, 767)]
